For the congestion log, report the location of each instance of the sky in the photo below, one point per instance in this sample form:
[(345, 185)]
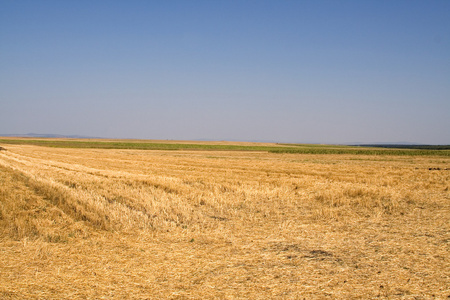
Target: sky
[(331, 72)]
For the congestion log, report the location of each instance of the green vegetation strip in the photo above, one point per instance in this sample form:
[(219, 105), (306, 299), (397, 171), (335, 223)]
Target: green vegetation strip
[(363, 151), (282, 148), (132, 145)]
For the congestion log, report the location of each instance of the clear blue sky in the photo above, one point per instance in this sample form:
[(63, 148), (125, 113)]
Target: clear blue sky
[(287, 71)]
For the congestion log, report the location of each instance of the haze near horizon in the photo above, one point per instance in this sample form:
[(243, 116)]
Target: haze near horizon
[(285, 71)]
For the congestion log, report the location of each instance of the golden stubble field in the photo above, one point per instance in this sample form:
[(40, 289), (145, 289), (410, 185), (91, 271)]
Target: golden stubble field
[(133, 224)]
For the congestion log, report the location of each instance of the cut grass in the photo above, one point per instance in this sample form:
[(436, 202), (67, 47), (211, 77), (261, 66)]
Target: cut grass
[(115, 224)]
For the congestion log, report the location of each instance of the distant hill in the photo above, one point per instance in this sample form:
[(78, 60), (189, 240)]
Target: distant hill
[(49, 135)]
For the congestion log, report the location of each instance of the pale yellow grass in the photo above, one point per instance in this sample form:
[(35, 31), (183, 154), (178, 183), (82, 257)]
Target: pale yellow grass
[(115, 224)]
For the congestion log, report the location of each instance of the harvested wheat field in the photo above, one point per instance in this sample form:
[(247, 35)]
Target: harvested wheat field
[(87, 223)]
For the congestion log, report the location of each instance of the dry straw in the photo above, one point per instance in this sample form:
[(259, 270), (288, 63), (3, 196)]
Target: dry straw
[(117, 224)]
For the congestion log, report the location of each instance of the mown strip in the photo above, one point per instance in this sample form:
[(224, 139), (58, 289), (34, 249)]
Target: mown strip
[(281, 148)]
